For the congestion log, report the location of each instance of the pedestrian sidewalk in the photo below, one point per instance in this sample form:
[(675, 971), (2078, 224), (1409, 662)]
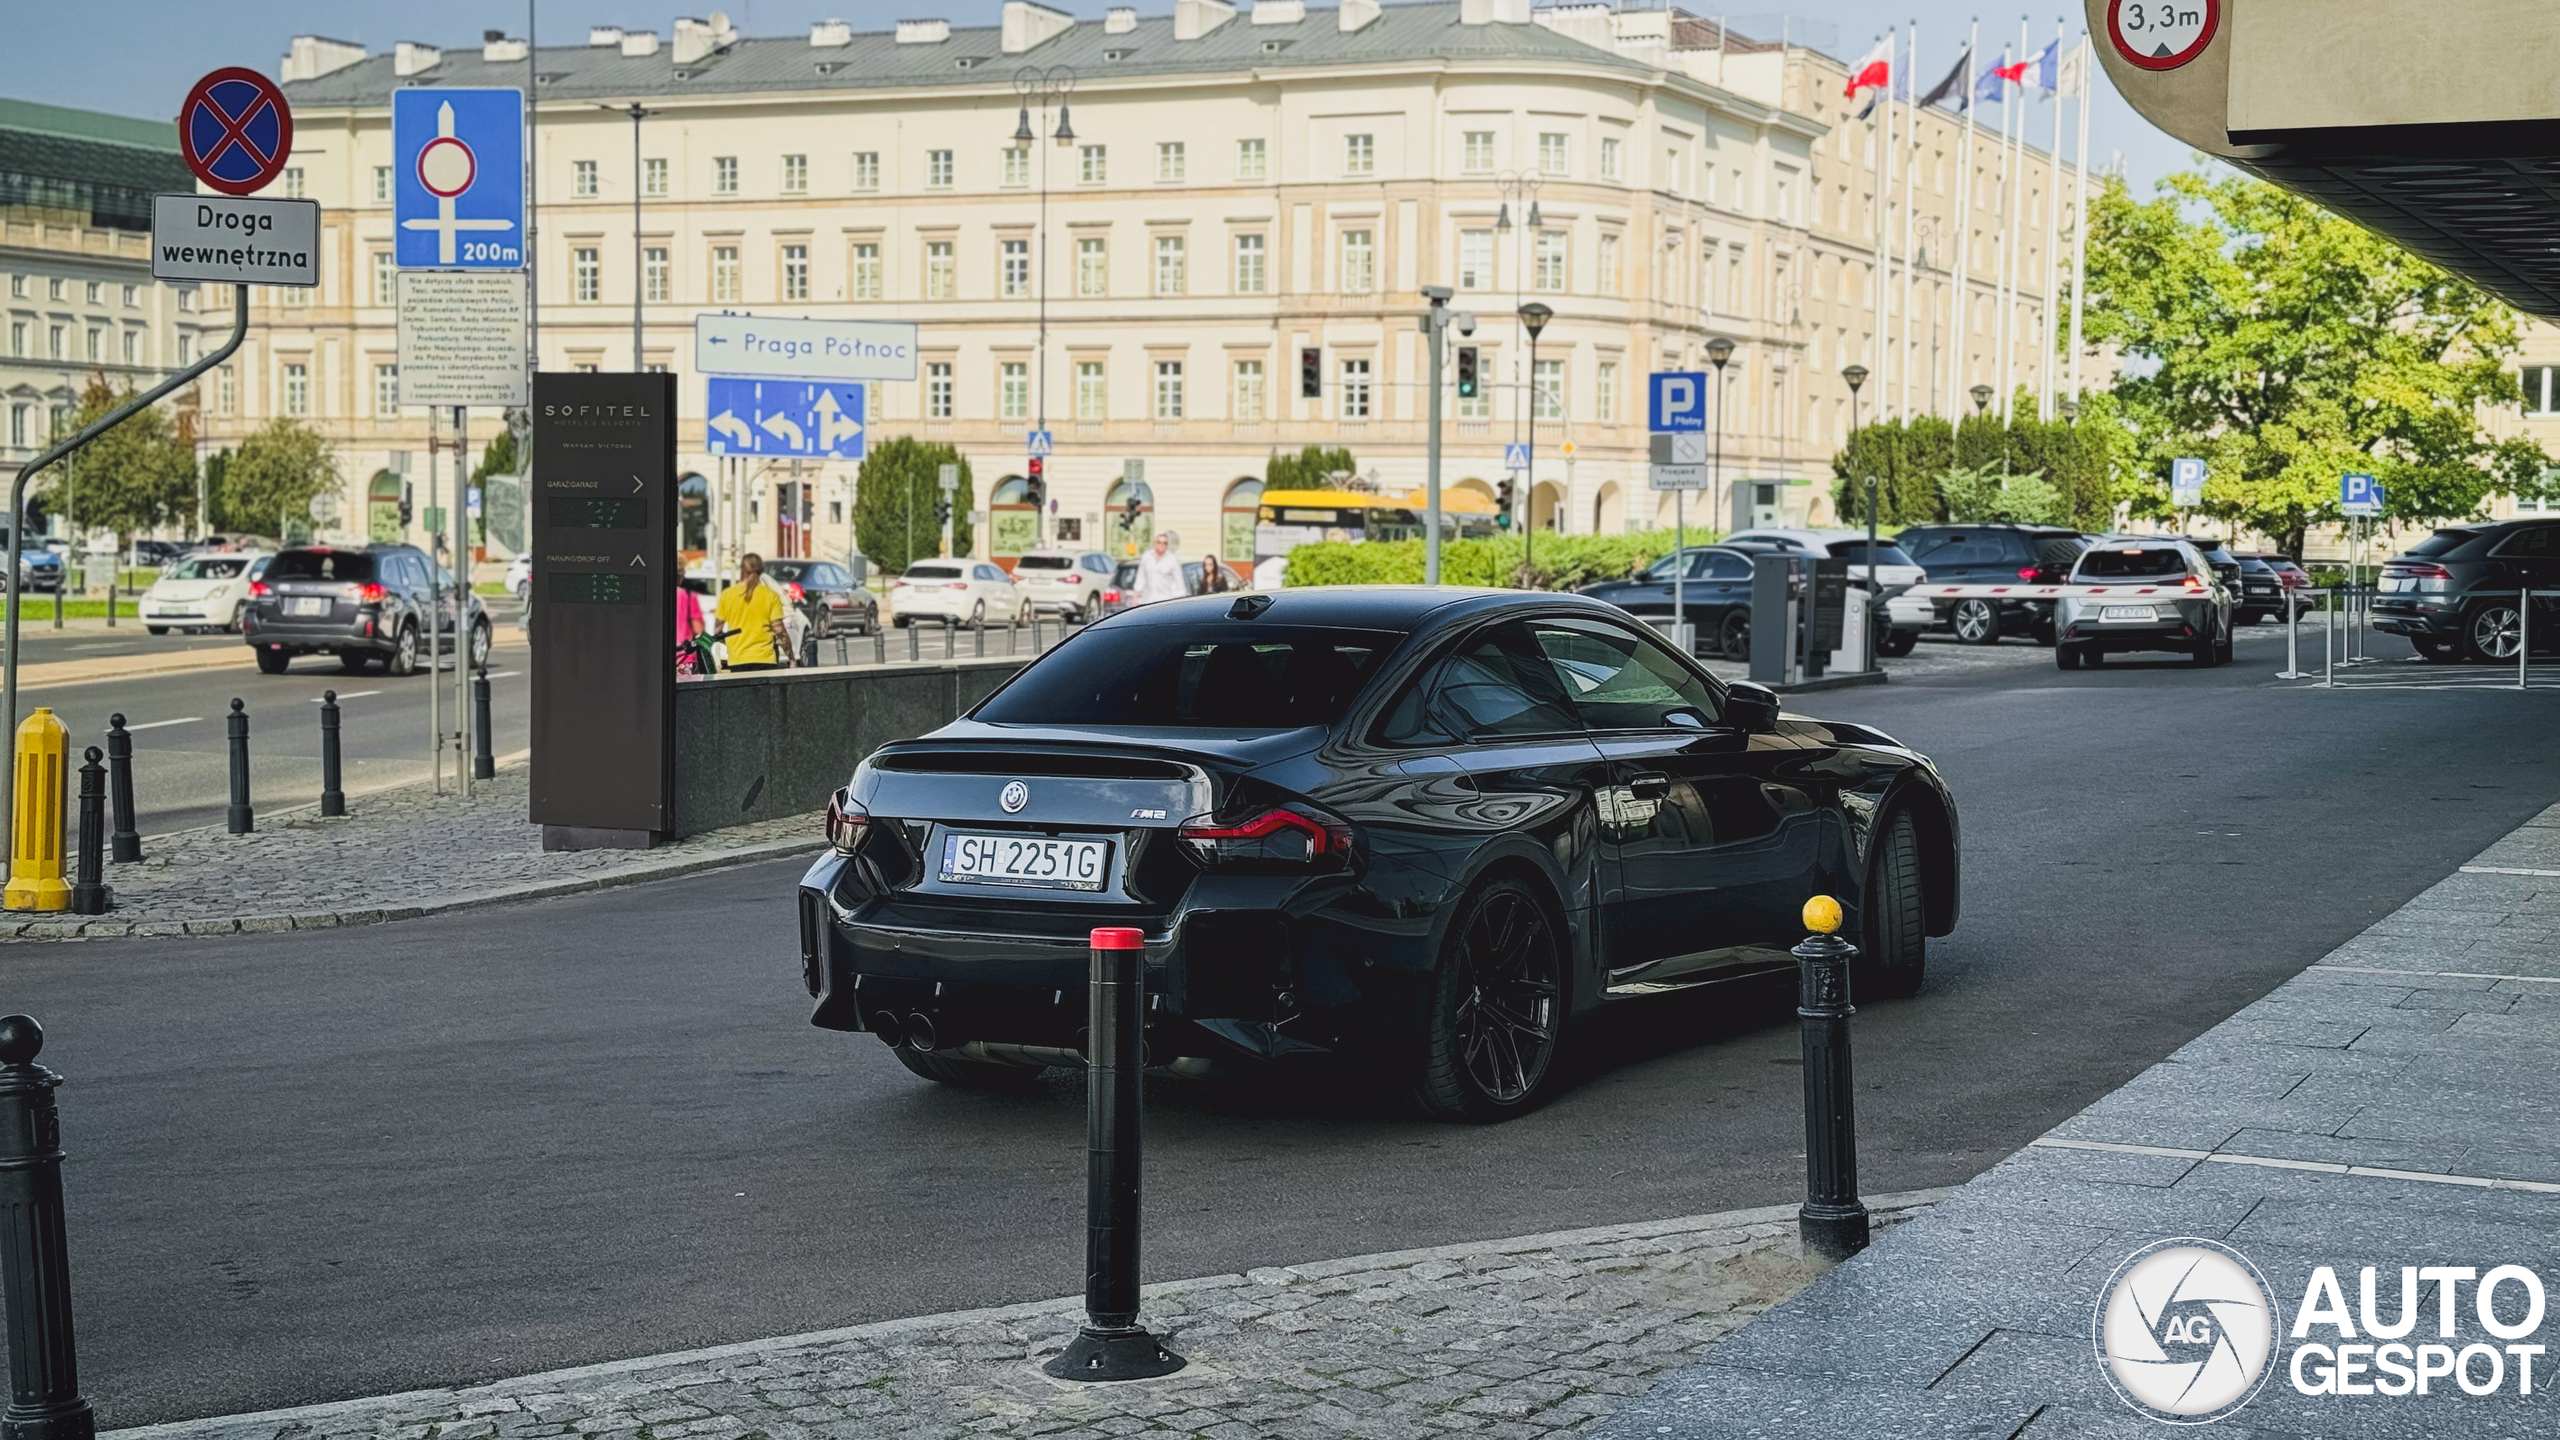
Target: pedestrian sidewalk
[(297, 871), (2391, 1106), (1510, 1339)]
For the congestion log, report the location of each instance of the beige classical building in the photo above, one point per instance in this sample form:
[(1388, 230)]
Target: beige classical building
[(1239, 188)]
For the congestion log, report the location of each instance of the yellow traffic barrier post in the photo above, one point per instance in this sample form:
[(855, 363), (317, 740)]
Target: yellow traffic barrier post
[(36, 824)]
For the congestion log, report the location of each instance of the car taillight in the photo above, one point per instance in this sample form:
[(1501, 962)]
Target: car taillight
[(1073, 579), (258, 590), (2028, 572), (2415, 570), (2195, 585), (373, 594), (1284, 837), (846, 822), (1110, 597)]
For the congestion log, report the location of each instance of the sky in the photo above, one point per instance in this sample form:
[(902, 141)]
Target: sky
[(138, 57)]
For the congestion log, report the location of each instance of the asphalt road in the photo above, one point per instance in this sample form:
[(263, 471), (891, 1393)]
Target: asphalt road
[(320, 1165)]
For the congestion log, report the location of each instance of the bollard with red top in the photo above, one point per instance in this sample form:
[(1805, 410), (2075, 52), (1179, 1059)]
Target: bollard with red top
[(1112, 1345)]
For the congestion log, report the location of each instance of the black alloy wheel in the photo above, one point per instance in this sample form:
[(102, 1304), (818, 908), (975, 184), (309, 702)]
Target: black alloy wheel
[(1898, 643), (2493, 631), (1976, 622), (1497, 1010), (978, 616), (2207, 647), (272, 662), (2226, 642), (1895, 958), (1092, 610), (1733, 637), (2066, 657), (481, 641), (403, 659)]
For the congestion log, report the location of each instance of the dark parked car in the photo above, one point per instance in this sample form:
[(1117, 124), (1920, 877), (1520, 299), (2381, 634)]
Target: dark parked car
[(1428, 827), (2261, 591), (361, 603), (1715, 595), (1994, 555), (826, 593), (2457, 594)]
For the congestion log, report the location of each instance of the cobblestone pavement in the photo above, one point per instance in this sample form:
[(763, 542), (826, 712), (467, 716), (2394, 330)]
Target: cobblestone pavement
[(299, 871), (1507, 1339)]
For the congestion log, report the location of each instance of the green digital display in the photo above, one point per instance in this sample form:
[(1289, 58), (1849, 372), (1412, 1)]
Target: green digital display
[(577, 512), (598, 587)]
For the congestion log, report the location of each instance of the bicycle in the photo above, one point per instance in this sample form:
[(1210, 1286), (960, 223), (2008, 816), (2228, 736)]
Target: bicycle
[(694, 657)]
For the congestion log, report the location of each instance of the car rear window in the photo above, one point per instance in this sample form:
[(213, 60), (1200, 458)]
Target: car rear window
[(321, 565), (2131, 562), (212, 567), (2444, 542), (1043, 562), (933, 572), (1855, 552), (1231, 677)]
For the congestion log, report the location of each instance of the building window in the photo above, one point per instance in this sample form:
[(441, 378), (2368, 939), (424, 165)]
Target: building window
[(97, 343), (386, 279), (1358, 271), (1253, 160), (297, 389), (1551, 155), (386, 391), (937, 169), (653, 274), (1170, 162), (1249, 269), (133, 297), (724, 175), (1611, 166), (1017, 165), (866, 169), (582, 179), (1248, 402), (587, 275), (1169, 265), (1604, 395), (1671, 172), (1548, 390), (2538, 396), (866, 270), (653, 178), (132, 347), (941, 271), (1475, 153), (1609, 264), (1013, 390), (1355, 389), (18, 286), (290, 184), (1093, 165), (1550, 256), (937, 390), (382, 184), (17, 337), (795, 272), (226, 391), (292, 297), (53, 287), (724, 274), (795, 174), (1093, 392), (1093, 265), (1168, 389), (96, 291), (1475, 259), (187, 298), (1013, 269), (19, 415), (54, 336), (1359, 154)]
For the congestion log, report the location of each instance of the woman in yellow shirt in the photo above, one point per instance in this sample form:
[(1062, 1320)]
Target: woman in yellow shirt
[(751, 609)]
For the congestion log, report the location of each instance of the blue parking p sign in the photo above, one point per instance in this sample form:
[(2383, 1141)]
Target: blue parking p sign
[(2359, 495), (457, 178), (2186, 483), (1677, 401)]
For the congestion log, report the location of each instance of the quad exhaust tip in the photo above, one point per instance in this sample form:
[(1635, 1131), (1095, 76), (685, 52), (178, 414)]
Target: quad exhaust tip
[(920, 1034)]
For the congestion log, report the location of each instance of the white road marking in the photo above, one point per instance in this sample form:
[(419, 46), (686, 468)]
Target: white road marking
[(2329, 1167), (156, 724), (350, 695), (2508, 870), (2440, 974), (503, 674)]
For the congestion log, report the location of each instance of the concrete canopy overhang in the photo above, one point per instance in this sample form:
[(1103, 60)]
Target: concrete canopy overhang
[(2431, 122)]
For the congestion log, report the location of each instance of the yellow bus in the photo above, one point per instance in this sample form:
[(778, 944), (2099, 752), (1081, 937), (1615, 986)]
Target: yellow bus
[(1290, 518)]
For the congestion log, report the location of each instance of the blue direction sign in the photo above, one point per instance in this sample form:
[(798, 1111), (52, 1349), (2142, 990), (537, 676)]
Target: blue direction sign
[(2359, 495), (1515, 456), (1035, 442), (1677, 401), (2186, 483), (457, 170), (810, 419)]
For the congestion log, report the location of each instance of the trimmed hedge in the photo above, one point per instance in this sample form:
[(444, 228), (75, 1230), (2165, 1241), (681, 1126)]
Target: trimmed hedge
[(1563, 562)]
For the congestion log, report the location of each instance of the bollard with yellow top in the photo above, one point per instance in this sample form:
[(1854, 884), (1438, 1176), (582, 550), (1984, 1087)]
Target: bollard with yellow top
[(1833, 1222), (35, 831)]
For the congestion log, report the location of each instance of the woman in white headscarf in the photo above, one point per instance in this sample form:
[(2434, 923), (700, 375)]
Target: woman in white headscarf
[(1160, 571)]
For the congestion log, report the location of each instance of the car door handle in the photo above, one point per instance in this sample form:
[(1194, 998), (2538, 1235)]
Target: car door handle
[(1648, 787)]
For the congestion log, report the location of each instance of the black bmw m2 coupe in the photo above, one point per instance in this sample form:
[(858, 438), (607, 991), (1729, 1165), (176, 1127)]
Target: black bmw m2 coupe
[(1426, 828)]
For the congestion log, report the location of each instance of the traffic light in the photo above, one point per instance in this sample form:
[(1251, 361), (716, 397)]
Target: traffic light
[(1035, 486), (1502, 497), (1129, 513), (407, 496), (942, 511), (1310, 372), (1466, 372)]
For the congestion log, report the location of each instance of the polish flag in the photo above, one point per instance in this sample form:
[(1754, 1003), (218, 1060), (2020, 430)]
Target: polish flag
[(1872, 72)]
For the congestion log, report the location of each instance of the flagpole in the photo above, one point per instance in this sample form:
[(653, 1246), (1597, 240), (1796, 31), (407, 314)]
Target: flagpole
[(2051, 263), (1910, 208), (2080, 203), (1961, 350), (1880, 156), (2014, 172)]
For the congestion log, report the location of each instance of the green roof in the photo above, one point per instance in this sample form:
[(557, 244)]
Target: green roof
[(27, 115)]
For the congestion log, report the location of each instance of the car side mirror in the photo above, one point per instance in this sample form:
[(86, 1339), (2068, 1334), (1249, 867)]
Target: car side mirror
[(1752, 707)]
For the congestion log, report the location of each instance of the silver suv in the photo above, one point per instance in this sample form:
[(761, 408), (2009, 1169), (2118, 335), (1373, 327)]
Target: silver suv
[(1064, 582), (2145, 594)]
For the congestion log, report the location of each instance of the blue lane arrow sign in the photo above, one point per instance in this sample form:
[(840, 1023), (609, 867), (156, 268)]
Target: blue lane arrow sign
[(808, 419)]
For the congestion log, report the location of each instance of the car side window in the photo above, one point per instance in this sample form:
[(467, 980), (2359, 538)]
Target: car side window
[(1728, 567), (1496, 685), (1618, 680), (2533, 544)]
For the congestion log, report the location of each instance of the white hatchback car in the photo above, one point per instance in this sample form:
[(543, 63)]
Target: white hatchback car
[(960, 592), (1064, 582), (204, 591)]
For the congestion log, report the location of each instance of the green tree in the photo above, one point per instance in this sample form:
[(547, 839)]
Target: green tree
[(2286, 346), (497, 458), (1309, 469), (1984, 496), (893, 505), (135, 477), (270, 480)]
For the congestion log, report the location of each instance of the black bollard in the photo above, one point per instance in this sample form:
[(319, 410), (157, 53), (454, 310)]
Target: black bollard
[(89, 892), (241, 819), (879, 644), (911, 639), (1833, 1222), (484, 760), (125, 845), (1112, 1345), (333, 792), (35, 1265)]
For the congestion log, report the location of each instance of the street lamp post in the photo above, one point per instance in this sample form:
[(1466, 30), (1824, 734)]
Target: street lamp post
[(1856, 375), (639, 263), (1435, 324), (1534, 316), (1030, 81), (1522, 185), (1719, 353)]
